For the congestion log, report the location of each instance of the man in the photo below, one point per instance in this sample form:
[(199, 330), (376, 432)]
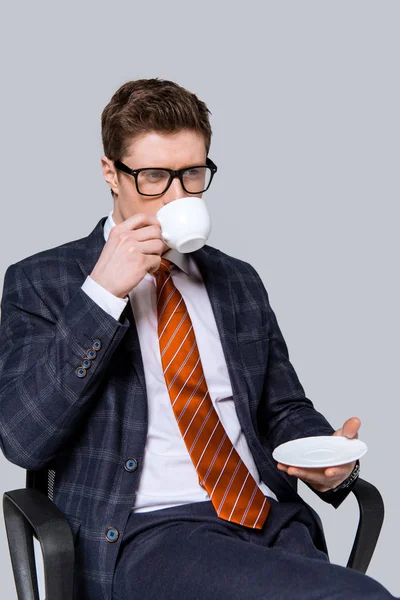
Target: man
[(84, 391)]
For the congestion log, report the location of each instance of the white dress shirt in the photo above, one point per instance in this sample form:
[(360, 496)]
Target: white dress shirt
[(168, 477)]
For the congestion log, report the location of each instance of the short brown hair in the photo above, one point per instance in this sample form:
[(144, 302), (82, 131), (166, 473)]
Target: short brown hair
[(146, 105)]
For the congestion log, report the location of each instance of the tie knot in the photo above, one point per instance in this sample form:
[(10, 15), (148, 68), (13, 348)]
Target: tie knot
[(164, 268)]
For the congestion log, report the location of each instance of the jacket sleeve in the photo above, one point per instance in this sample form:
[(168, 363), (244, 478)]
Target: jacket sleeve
[(42, 397), (285, 412)]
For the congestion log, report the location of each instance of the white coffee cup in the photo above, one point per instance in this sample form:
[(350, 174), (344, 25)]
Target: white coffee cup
[(185, 223)]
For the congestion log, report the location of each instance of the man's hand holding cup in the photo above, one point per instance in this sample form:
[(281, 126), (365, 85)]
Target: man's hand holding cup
[(133, 248)]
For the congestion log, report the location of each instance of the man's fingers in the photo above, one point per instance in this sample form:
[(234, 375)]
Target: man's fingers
[(150, 232), (331, 472), (136, 221), (351, 427), (150, 247), (326, 477)]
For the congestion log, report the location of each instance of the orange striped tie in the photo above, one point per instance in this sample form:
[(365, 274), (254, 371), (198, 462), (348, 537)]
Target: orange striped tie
[(233, 492)]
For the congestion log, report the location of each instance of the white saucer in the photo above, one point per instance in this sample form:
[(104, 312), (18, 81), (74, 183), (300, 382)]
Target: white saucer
[(319, 451)]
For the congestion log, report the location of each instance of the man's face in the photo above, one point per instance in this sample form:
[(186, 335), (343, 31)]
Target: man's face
[(172, 151)]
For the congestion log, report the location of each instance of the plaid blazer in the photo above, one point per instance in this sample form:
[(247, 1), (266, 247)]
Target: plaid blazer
[(88, 429)]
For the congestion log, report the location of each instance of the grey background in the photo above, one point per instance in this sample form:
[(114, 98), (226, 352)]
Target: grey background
[(305, 103)]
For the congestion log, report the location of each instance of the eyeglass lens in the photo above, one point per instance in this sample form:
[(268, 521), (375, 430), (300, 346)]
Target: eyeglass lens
[(155, 181)]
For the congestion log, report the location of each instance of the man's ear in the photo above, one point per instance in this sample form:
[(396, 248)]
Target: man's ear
[(110, 174)]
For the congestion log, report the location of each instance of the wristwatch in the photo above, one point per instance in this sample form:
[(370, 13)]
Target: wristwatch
[(347, 482)]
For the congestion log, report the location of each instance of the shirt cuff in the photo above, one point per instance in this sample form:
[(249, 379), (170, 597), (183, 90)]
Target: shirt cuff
[(106, 300)]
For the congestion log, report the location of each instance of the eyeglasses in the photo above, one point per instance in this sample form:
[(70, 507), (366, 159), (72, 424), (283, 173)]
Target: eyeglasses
[(151, 181)]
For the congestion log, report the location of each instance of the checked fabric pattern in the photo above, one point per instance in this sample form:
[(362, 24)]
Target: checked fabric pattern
[(233, 491)]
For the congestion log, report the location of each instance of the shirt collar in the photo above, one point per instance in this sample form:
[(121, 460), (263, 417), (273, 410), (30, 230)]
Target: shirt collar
[(179, 259)]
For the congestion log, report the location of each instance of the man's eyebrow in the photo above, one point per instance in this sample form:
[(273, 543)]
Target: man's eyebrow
[(187, 166)]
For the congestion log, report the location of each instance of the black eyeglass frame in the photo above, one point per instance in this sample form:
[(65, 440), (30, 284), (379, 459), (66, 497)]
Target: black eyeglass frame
[(172, 174)]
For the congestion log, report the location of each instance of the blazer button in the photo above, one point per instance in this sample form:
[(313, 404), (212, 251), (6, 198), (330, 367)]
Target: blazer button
[(112, 534), (91, 353), (86, 363), (81, 372), (131, 464), (96, 345)]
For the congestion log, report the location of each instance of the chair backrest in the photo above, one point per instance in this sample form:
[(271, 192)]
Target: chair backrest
[(42, 480)]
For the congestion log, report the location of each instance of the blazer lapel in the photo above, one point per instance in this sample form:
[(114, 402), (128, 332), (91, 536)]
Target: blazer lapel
[(91, 248), (216, 279)]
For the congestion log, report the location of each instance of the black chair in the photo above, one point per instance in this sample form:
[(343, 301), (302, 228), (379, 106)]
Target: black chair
[(30, 512)]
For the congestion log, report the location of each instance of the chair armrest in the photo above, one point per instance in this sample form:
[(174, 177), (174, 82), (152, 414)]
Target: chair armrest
[(29, 512), (371, 519)]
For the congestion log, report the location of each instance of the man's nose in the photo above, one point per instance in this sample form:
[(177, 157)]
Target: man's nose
[(174, 191)]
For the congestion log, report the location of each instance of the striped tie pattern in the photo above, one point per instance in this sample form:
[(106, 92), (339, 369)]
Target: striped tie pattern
[(233, 491)]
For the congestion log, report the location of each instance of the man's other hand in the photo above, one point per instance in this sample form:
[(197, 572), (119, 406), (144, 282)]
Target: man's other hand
[(326, 478)]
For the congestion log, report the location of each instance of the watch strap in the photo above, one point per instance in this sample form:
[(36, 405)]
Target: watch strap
[(352, 477)]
